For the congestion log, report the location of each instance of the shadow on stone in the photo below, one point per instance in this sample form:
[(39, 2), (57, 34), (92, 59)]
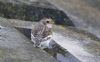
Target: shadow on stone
[(57, 51), (33, 13)]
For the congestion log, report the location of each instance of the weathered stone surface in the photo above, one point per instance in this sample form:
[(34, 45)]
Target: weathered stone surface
[(37, 3), (32, 11), (85, 14), (80, 44), (15, 47), (15, 23)]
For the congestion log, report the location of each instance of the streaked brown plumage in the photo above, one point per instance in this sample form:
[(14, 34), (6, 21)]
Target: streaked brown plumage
[(41, 30)]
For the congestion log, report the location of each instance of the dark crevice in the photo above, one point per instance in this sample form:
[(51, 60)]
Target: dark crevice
[(33, 13)]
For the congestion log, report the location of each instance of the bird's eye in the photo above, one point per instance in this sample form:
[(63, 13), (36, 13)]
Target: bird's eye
[(47, 21)]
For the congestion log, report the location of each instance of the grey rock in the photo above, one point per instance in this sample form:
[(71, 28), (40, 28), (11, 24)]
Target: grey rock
[(85, 14), (15, 47), (37, 3), (81, 44)]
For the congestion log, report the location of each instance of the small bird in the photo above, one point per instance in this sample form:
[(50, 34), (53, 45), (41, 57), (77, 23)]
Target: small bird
[(42, 32)]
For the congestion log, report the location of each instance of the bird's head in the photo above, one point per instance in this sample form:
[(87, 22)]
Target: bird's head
[(48, 22)]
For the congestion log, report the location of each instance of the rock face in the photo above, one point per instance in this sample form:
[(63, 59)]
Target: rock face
[(37, 3), (15, 47), (32, 10), (85, 14), (80, 44), (25, 27)]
